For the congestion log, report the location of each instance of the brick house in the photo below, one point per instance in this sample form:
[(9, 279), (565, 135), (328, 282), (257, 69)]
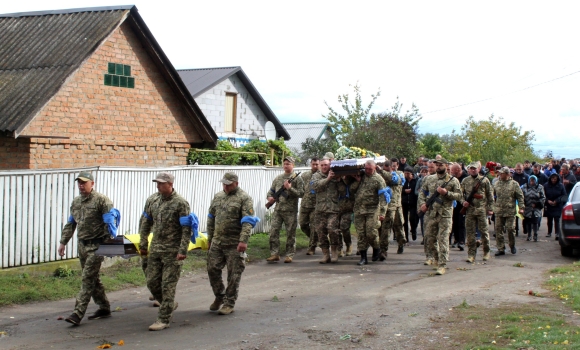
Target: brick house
[(87, 87), (232, 104)]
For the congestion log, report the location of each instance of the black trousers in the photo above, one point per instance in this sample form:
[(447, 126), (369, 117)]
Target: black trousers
[(458, 227), (410, 219)]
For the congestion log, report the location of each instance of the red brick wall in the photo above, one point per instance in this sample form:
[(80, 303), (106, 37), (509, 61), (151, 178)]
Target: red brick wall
[(14, 153), (108, 125)]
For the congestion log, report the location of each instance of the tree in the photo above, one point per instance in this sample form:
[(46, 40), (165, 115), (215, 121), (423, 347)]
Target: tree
[(494, 140), (313, 148), (392, 132), (432, 145)]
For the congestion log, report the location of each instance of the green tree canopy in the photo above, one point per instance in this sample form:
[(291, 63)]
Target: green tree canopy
[(392, 132), (494, 140), (230, 158), (313, 148)]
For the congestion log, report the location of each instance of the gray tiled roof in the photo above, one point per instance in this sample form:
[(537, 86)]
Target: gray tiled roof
[(200, 80), (301, 131), (33, 65)]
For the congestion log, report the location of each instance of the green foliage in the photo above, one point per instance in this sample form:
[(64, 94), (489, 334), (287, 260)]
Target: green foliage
[(226, 158), (312, 148), (63, 272), (494, 140), (393, 132)]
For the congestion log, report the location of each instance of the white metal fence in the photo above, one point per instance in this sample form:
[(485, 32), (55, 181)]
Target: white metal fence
[(35, 204)]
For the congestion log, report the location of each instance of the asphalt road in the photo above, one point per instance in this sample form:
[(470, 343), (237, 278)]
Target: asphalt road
[(303, 305)]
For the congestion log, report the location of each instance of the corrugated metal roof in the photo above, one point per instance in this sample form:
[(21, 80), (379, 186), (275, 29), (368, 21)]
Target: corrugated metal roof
[(200, 80), (301, 131), (34, 64)]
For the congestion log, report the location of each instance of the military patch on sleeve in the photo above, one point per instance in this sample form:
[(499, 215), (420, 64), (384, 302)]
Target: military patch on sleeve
[(252, 211)]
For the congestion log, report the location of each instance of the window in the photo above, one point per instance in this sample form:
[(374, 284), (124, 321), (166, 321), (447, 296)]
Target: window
[(119, 75), (230, 122)]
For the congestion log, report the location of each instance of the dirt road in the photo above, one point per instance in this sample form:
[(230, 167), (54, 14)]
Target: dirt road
[(303, 305)]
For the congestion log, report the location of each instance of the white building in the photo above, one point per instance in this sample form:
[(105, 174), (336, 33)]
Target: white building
[(232, 105)]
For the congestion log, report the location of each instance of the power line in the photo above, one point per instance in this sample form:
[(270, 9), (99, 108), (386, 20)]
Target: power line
[(509, 93)]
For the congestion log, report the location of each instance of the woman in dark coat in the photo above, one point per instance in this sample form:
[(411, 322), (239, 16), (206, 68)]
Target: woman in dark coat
[(535, 199), (555, 198)]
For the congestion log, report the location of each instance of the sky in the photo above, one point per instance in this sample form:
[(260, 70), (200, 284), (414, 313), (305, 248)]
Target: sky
[(519, 60)]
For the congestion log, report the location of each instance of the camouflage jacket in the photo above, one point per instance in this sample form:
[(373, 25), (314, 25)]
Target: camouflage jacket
[(226, 211), (507, 192), (366, 197), (478, 206), (396, 187), (326, 193), (162, 218), (289, 203), (345, 198), (87, 213), (308, 198), (429, 187)]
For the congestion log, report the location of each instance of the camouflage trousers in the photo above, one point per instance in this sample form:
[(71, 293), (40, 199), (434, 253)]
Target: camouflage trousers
[(288, 218), (472, 221), (366, 226), (219, 257), (438, 232), (507, 223), (327, 228), (306, 222), (345, 220), (430, 251), (393, 222), (163, 271), (91, 283)]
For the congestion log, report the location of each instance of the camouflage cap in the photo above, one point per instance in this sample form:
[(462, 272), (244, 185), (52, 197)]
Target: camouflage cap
[(328, 155), (442, 161), (474, 165), (85, 176), (229, 178), (164, 177), (504, 170), (290, 159)]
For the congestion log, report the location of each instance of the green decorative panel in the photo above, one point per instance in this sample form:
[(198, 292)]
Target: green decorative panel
[(119, 75)]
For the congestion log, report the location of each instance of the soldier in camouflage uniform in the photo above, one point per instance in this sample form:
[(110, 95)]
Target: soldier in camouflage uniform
[(440, 212), (477, 211), (230, 221), (394, 218), (285, 212), (507, 192), (346, 206), (168, 246), (86, 217), (325, 185), (307, 205), (370, 207), (144, 257), (429, 249)]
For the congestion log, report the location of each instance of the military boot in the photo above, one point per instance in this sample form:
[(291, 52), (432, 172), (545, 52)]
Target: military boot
[(311, 251), (376, 254), (341, 253), (363, 258), (325, 256), (428, 262), (383, 255), (273, 258), (440, 270), (334, 253), (215, 306), (348, 250), (470, 259)]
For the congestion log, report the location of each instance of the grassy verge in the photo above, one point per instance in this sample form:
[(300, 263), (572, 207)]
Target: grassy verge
[(521, 326), (65, 283)]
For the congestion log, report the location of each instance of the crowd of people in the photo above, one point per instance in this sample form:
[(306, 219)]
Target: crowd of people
[(452, 205), (388, 201)]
